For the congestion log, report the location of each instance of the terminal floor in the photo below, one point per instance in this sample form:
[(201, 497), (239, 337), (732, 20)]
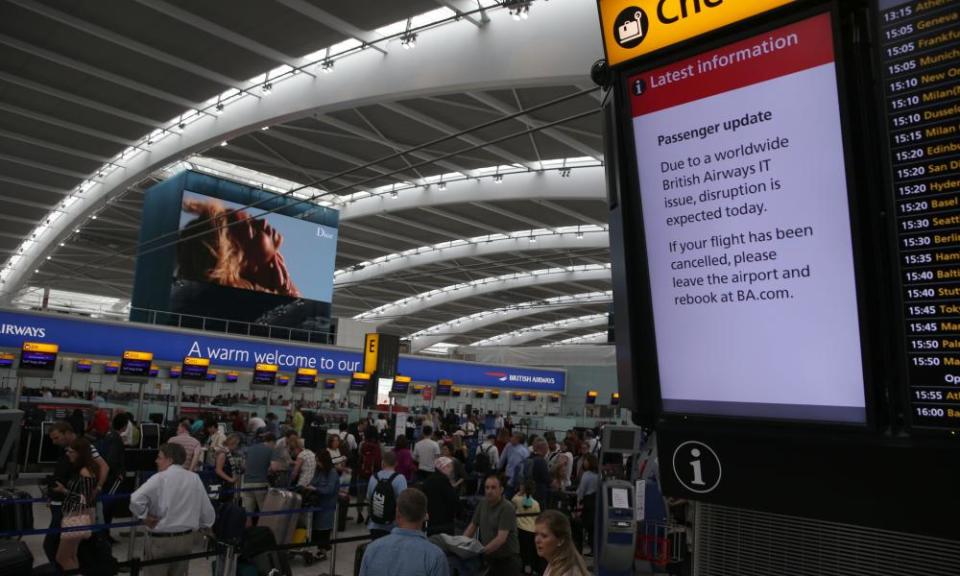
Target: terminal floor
[(202, 567)]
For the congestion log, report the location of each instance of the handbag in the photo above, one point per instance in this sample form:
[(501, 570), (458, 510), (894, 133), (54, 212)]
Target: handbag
[(78, 515)]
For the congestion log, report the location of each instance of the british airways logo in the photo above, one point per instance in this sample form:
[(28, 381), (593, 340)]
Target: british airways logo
[(522, 378), (17, 330)]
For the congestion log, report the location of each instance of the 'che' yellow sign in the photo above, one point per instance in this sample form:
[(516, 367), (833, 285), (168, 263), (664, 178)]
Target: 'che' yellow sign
[(633, 28)]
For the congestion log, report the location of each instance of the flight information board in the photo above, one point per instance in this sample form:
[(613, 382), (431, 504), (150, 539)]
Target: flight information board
[(919, 44)]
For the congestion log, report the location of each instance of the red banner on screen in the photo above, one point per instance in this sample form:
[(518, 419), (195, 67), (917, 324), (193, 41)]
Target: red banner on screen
[(805, 44)]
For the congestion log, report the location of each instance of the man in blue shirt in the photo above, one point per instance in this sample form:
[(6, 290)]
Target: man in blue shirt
[(512, 459), (406, 551)]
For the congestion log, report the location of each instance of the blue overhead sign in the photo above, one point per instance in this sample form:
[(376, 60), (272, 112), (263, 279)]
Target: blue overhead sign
[(88, 337)]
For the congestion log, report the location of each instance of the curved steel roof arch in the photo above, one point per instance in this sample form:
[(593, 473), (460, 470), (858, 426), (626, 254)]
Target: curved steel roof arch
[(458, 57), (423, 301), (474, 248), (440, 332), (524, 335)]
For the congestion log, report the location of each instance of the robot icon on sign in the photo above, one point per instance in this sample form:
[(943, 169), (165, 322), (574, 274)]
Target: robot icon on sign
[(697, 467)]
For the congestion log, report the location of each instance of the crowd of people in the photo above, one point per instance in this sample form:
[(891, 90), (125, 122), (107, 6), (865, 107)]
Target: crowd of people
[(526, 501)]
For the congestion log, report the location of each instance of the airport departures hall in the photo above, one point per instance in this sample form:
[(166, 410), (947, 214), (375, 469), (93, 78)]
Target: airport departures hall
[(479, 287)]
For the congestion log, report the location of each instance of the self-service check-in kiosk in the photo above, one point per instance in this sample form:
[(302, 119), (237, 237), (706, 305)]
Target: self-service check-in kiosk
[(616, 526)]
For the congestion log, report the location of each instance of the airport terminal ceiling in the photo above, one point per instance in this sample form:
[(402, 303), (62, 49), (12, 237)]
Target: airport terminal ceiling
[(493, 236)]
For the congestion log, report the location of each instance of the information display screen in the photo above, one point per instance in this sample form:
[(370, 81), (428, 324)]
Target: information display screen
[(920, 60), (174, 371), (211, 376), (111, 367), (401, 385), (195, 368), (231, 377), (444, 387), (283, 380), (329, 384), (154, 370), (306, 378), (83, 366), (136, 364), (265, 374), (6, 360), (359, 382), (747, 229), (39, 356)]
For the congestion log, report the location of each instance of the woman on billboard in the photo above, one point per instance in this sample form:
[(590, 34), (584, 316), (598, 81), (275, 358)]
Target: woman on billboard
[(230, 248)]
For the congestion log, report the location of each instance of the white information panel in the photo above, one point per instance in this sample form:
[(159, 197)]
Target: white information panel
[(747, 225)]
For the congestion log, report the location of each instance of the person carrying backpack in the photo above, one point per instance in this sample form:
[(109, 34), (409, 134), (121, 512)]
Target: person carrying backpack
[(383, 489), (370, 456), (486, 460)]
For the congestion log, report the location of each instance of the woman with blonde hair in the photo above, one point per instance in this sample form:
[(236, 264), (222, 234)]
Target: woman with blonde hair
[(554, 543), (231, 248)]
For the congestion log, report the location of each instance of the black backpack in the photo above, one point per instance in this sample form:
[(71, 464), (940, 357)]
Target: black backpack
[(482, 463), (383, 501)]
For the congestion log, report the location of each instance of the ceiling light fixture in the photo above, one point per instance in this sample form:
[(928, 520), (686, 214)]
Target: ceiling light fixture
[(267, 87), (224, 143), (442, 185), (264, 128), (326, 66), (408, 41), (218, 109), (498, 178)]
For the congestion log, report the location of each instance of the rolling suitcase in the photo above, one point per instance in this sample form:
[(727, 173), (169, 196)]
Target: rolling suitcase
[(15, 517), (15, 559), (282, 525)]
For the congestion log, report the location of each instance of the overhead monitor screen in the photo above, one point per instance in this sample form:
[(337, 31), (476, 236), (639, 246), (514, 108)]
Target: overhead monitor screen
[(306, 378), (265, 375), (747, 229), (174, 371), (231, 377), (919, 52), (83, 366), (38, 356), (154, 370), (255, 250), (444, 387), (329, 384), (478, 393), (283, 380), (6, 360), (136, 364), (621, 440), (194, 368), (401, 385), (211, 376), (384, 386), (359, 382)]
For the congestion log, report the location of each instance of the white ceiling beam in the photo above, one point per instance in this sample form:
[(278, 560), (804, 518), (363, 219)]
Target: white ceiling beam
[(430, 255), (532, 122), (42, 166), (529, 334), (34, 185), (65, 124), (571, 213), (357, 131), (445, 128), (467, 10), (468, 324), (486, 227), (513, 215), (416, 304), (51, 146), (79, 100), (130, 44), (583, 184), (220, 32), (62, 60), (334, 23), (278, 134)]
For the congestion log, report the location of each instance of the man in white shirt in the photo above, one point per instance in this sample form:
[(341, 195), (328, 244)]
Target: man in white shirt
[(173, 504), (191, 446), (255, 423), (425, 453)]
